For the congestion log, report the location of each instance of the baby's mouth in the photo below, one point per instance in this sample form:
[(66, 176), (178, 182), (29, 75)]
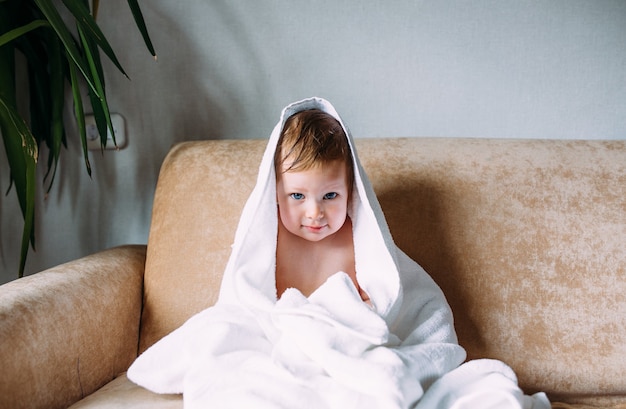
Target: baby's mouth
[(315, 228)]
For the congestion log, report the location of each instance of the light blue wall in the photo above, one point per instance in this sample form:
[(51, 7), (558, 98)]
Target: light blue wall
[(513, 69)]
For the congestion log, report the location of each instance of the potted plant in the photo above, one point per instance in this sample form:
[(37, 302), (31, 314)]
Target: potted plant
[(55, 54)]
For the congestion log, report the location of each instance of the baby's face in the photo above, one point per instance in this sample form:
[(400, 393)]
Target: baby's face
[(313, 204)]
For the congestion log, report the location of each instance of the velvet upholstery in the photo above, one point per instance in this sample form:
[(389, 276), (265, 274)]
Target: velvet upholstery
[(67, 331), (525, 237)]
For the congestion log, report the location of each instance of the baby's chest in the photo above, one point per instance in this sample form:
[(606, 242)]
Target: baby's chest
[(307, 272)]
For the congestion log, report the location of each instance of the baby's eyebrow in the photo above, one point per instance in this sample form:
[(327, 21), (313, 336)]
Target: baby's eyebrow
[(336, 186), (295, 188)]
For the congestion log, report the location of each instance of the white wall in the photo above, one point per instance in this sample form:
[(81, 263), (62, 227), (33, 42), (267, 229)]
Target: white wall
[(513, 69)]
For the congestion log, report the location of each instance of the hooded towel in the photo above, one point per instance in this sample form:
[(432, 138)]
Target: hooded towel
[(327, 350)]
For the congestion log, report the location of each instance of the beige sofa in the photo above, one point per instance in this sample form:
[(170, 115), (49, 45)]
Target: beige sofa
[(527, 238)]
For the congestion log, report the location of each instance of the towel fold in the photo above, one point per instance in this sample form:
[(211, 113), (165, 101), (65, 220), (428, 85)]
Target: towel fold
[(331, 347)]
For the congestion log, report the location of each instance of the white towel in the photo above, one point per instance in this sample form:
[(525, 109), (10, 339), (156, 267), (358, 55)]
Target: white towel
[(328, 350)]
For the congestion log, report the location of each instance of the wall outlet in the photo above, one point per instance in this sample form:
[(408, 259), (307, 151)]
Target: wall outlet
[(93, 136)]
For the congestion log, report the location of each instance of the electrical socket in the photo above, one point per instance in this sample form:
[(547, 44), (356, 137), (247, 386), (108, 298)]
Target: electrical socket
[(93, 136)]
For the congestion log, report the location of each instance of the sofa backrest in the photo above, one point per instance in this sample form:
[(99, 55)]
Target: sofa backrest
[(527, 238)]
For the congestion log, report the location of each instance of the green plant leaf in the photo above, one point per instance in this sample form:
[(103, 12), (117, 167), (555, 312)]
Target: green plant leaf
[(101, 121), (22, 153), (141, 25), (57, 99), (20, 31), (96, 105), (19, 144), (101, 110), (91, 29), (39, 91), (80, 115), (57, 23)]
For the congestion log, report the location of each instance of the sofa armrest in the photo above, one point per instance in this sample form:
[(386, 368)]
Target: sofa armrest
[(67, 331)]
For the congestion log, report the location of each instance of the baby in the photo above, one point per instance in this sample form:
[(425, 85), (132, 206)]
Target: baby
[(314, 183)]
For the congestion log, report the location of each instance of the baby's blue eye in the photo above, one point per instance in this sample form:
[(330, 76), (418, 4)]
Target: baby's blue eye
[(297, 196), (331, 195)]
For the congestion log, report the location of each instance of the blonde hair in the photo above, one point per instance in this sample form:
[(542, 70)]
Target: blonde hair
[(312, 138)]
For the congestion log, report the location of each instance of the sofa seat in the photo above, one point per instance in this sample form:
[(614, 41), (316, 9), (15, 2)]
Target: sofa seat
[(121, 393)]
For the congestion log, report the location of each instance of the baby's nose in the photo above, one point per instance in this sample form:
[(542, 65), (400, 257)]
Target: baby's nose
[(315, 210)]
